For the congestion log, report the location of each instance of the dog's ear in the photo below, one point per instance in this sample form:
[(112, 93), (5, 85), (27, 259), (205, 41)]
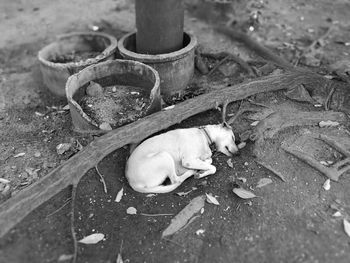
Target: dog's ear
[(223, 111), (226, 125)]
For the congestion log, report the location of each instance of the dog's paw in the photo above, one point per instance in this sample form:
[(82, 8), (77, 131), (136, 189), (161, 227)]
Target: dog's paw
[(198, 175)]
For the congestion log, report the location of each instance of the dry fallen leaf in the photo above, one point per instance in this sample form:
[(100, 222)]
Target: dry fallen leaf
[(242, 193), (346, 226), (263, 182), (119, 195), (131, 211), (65, 257), (119, 258), (241, 145), (63, 147), (181, 219), (184, 193), (92, 239), (243, 179), (19, 155), (200, 232), (32, 172), (254, 123), (337, 214), (328, 124), (66, 107), (4, 181), (211, 199), (327, 185), (105, 126), (229, 163), (324, 163), (169, 107)]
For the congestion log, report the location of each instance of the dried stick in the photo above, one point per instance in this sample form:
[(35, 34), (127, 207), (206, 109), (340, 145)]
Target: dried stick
[(75, 242), (16, 208), (217, 65), (312, 45), (101, 179), (60, 208), (251, 44), (144, 214), (229, 56), (328, 99)]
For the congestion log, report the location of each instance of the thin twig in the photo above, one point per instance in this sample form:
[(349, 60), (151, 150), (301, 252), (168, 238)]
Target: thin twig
[(224, 109), (257, 103), (119, 256), (217, 65), (101, 179), (232, 57), (65, 203), (144, 214), (312, 45), (328, 99), (232, 119), (75, 242), (180, 245)]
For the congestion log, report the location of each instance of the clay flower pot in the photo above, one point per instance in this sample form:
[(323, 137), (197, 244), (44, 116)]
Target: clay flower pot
[(175, 68), (70, 54), (124, 74)]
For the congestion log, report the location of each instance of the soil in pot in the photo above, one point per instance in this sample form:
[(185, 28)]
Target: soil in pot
[(74, 56), (116, 105)]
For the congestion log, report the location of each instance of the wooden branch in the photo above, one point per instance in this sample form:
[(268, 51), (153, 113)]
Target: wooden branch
[(16, 208), (252, 45), (278, 121)]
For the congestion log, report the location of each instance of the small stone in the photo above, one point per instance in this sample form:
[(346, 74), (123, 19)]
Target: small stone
[(241, 145), (94, 89), (63, 147), (105, 126), (37, 154)]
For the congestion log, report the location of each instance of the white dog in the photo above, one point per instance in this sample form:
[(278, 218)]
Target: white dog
[(177, 155)]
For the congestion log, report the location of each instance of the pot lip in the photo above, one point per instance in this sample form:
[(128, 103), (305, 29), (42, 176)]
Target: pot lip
[(73, 79), (159, 58), (110, 49)]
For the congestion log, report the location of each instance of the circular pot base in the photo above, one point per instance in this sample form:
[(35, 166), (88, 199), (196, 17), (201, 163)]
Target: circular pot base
[(175, 69)]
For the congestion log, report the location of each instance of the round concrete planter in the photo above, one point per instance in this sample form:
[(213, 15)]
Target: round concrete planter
[(115, 72), (175, 69), (55, 75)]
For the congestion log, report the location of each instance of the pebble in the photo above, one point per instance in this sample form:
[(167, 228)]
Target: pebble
[(37, 154), (94, 89)]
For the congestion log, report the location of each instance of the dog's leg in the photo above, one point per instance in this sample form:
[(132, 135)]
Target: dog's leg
[(198, 164), (186, 175), (209, 160)]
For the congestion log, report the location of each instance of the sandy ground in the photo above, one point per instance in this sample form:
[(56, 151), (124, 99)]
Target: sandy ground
[(290, 221)]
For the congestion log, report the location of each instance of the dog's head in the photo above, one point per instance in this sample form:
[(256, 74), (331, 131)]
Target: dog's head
[(224, 139)]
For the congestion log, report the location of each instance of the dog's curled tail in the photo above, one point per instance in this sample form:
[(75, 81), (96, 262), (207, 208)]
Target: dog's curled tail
[(160, 189)]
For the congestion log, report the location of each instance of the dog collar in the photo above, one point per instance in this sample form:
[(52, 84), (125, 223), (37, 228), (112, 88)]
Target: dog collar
[(206, 134)]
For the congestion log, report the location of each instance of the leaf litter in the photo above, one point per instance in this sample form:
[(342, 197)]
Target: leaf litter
[(119, 195), (184, 216), (242, 193), (131, 211), (346, 226), (211, 199), (92, 239), (263, 182)]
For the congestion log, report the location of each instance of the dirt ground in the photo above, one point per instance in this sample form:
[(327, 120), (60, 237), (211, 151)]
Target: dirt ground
[(289, 221)]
